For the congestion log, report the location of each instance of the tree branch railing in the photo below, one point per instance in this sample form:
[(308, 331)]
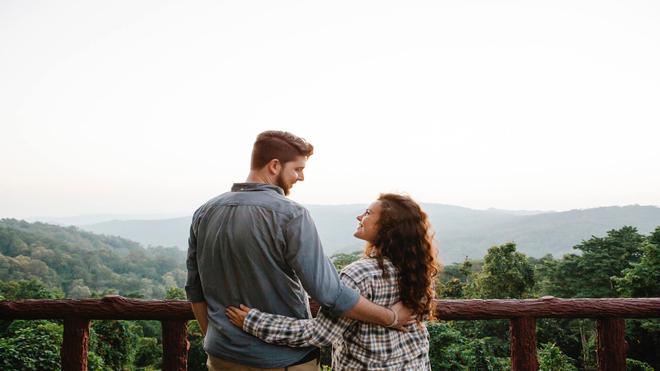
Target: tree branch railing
[(174, 315)]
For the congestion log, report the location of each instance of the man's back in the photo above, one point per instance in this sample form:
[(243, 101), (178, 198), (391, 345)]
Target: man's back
[(256, 247)]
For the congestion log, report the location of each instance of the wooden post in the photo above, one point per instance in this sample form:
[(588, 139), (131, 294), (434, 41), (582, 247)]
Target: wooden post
[(612, 347), (175, 345), (74, 345), (523, 344)]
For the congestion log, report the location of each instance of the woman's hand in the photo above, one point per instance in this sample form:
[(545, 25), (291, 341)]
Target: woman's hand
[(236, 315)]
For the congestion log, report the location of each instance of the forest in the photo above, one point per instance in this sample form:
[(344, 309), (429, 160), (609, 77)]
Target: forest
[(43, 261)]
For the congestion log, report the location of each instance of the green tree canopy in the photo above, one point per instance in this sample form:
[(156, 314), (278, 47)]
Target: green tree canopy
[(602, 259), (506, 274)]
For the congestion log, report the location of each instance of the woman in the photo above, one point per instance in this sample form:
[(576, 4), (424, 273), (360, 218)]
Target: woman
[(399, 265)]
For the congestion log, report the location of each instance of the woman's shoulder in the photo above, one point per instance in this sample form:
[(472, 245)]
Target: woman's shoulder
[(365, 268)]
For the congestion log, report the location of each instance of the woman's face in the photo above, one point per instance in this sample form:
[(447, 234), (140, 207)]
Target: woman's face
[(368, 223)]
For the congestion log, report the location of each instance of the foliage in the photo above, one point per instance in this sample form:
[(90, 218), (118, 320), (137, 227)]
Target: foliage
[(563, 333), (28, 289), (115, 342), (506, 274), (340, 260), (643, 337), (31, 345), (635, 365), (551, 358), (82, 263), (149, 353), (602, 259), (450, 349), (447, 347), (453, 289), (150, 328), (641, 278), (196, 353), (175, 293), (95, 362)]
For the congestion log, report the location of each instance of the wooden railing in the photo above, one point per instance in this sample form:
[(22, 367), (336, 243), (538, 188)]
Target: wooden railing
[(174, 315), (522, 315)]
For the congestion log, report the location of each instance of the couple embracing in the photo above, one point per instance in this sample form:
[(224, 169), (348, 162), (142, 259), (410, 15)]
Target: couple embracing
[(254, 257)]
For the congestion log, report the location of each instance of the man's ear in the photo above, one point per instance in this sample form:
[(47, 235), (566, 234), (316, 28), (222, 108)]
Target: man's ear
[(274, 166)]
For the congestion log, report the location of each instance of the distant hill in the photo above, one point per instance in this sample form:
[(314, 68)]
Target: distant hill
[(460, 231), (98, 218), (160, 232), (82, 264), (550, 233)]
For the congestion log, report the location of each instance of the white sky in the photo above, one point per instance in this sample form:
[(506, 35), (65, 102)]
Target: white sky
[(152, 106)]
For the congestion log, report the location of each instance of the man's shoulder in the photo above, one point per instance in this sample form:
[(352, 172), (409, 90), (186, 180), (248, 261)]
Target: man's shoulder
[(272, 201), (208, 204), (275, 202), (294, 207)]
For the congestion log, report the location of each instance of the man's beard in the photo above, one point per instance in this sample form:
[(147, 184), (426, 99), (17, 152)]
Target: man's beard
[(279, 181)]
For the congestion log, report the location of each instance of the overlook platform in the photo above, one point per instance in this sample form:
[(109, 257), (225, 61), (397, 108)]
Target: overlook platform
[(175, 314)]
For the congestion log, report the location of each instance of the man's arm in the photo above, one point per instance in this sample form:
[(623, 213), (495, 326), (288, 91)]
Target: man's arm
[(321, 281), (317, 275), (200, 310), (194, 290)]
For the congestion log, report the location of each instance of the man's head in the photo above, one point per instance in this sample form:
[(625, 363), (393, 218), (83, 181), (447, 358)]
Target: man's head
[(281, 156)]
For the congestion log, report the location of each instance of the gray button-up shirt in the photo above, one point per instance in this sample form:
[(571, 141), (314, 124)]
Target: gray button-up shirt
[(256, 247)]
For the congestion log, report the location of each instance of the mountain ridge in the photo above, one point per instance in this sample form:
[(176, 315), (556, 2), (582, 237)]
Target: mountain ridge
[(460, 231)]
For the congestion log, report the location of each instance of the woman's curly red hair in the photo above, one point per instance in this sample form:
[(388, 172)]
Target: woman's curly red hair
[(405, 238)]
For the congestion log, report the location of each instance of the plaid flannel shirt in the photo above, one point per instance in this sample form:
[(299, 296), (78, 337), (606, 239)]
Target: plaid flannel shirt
[(356, 345)]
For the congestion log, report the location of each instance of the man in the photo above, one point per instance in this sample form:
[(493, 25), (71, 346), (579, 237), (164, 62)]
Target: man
[(254, 246)]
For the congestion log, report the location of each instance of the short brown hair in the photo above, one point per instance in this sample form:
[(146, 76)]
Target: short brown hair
[(280, 145)]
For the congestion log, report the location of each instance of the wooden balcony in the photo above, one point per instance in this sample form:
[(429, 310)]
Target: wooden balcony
[(174, 315)]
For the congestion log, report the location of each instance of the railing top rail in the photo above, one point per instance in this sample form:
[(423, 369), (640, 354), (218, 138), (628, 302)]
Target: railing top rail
[(548, 307), (117, 307), (110, 307)]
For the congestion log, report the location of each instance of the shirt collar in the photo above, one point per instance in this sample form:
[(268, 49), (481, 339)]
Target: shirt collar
[(251, 187)]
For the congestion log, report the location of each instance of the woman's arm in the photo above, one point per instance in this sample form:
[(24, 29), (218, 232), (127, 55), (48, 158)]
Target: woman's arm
[(275, 329)]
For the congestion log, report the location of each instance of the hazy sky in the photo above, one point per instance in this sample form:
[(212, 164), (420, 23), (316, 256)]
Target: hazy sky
[(152, 106)]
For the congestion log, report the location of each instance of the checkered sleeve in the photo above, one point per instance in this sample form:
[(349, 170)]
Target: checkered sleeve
[(275, 329)]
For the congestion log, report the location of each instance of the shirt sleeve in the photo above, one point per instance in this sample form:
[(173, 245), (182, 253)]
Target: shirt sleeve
[(317, 274), (275, 329), (323, 330), (193, 283)]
